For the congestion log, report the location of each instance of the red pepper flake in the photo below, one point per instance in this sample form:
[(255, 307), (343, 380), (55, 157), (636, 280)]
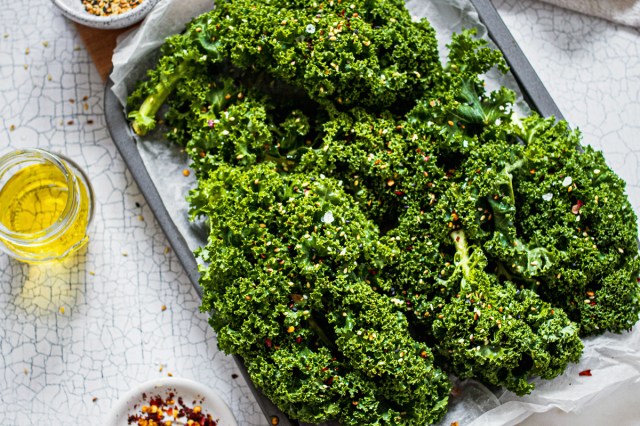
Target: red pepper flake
[(575, 209), (155, 411), (585, 373)]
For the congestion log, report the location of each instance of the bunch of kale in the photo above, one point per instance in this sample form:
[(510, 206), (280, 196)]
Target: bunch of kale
[(379, 220)]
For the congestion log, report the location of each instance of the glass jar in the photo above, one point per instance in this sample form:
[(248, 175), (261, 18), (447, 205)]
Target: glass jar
[(46, 206)]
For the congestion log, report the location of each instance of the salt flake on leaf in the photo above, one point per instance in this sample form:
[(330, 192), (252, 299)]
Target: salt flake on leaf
[(328, 217)]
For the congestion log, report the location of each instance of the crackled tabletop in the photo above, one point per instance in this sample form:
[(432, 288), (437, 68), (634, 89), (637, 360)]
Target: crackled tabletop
[(75, 337)]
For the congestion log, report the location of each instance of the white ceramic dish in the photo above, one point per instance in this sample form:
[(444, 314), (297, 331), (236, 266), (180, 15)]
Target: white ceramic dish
[(74, 10), (131, 403)]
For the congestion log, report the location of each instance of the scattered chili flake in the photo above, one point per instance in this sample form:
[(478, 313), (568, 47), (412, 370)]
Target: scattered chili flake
[(275, 420), (575, 209), (585, 373), (94, 399)]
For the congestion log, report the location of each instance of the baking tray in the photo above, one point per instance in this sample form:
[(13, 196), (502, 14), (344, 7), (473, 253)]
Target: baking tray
[(534, 92)]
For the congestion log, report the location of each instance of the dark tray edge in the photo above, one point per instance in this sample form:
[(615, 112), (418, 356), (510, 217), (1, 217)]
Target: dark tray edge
[(534, 92)]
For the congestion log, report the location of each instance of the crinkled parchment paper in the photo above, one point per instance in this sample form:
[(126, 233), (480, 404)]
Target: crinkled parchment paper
[(614, 360)]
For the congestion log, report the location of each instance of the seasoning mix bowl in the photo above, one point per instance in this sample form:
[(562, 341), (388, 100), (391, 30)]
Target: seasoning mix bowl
[(46, 206), (113, 13), (176, 400)]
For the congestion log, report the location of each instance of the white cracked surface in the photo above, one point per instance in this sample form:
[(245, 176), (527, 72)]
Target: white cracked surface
[(113, 333)]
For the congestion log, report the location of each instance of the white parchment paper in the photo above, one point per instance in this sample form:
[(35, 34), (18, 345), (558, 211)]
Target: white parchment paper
[(614, 360)]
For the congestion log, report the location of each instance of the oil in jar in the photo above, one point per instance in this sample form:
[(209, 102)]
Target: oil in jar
[(45, 207)]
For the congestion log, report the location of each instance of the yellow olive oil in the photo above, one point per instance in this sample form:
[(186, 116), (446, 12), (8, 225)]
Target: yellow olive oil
[(40, 203)]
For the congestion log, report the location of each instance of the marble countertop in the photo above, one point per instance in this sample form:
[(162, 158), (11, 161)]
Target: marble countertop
[(75, 337)]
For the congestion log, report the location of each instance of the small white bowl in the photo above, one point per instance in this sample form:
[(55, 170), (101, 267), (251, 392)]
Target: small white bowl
[(131, 403), (74, 10)]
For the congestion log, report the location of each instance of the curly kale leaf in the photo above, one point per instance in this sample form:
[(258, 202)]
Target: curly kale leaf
[(367, 203), (498, 333), (570, 201), (289, 262)]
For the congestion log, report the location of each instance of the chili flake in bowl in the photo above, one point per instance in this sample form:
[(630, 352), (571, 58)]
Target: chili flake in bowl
[(171, 401), (106, 14)]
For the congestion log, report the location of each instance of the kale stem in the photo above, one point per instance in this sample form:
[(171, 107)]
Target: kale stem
[(462, 251), (144, 117)]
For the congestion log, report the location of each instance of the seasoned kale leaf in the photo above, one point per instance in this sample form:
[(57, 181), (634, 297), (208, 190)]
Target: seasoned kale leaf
[(288, 284), (378, 219)]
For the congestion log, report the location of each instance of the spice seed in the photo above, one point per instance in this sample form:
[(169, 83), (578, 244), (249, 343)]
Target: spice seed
[(109, 7)]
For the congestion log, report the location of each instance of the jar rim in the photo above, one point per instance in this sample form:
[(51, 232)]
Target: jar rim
[(36, 155)]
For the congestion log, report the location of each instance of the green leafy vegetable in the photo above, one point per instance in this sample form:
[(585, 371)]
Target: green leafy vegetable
[(378, 218)]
